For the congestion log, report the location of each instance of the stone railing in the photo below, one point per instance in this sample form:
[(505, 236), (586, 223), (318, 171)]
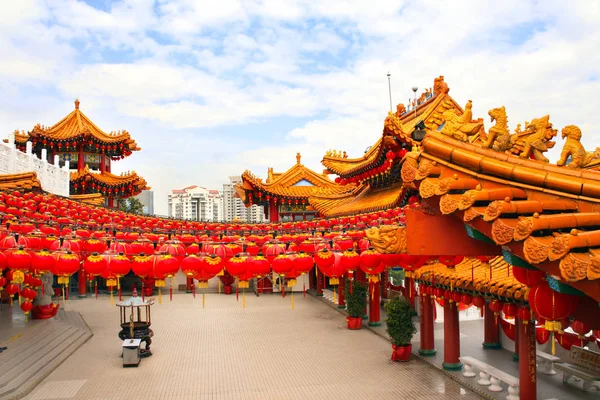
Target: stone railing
[(53, 178)]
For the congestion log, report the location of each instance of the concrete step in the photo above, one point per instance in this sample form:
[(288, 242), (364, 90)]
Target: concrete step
[(42, 346)]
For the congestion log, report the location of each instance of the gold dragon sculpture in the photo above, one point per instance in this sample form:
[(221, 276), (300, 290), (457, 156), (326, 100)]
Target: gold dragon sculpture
[(387, 239)]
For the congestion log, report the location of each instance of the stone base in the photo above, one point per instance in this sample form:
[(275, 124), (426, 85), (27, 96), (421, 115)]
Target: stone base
[(82, 296), (428, 353), (374, 323), (492, 346), (452, 367)]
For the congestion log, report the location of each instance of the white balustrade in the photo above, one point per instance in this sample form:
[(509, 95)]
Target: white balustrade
[(53, 178)]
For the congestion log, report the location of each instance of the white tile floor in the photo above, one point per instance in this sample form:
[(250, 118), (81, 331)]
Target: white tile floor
[(265, 351)]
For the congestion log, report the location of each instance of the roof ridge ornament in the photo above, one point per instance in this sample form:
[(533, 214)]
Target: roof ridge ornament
[(77, 102)]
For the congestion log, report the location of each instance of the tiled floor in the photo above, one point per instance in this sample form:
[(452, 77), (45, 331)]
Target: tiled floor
[(223, 351)]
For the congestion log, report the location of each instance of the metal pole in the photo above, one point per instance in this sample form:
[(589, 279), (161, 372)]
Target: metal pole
[(390, 90), (414, 89)]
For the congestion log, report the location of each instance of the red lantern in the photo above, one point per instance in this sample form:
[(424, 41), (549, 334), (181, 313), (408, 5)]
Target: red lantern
[(496, 306), (212, 264), (479, 301), (529, 277), (142, 265), (167, 265), (551, 305), (370, 261), (350, 260), (119, 265), (94, 264), (237, 265), (260, 266), (191, 265), (26, 306), (580, 328), (302, 263), (42, 262), (509, 310), (456, 296), (19, 260), (466, 299), (282, 264), (450, 261), (524, 314)]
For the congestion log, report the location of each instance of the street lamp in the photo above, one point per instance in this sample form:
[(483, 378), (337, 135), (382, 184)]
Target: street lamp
[(414, 89), (390, 90)]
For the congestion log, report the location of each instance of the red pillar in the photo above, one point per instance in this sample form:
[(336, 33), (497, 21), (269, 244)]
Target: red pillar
[(319, 284), (451, 337), (273, 212), (385, 277), (189, 282), (102, 163), (409, 283), (427, 337), (491, 332), (341, 299), (111, 202), (374, 304), (516, 353), (82, 282), (527, 366), (80, 164)]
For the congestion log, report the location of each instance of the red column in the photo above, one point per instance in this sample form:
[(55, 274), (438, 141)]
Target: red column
[(516, 353), (319, 284), (385, 277), (111, 202), (82, 282), (273, 212), (80, 164), (341, 299), (527, 367), (427, 337), (491, 333), (189, 282), (102, 163), (374, 304), (409, 283), (451, 337)]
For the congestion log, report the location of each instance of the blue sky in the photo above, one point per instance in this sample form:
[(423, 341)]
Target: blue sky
[(209, 89)]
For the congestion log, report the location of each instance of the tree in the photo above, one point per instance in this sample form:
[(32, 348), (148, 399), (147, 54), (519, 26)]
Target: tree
[(131, 205)]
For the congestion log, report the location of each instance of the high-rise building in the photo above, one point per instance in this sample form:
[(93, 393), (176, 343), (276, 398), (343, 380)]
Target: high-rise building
[(147, 200), (195, 203), (234, 208)]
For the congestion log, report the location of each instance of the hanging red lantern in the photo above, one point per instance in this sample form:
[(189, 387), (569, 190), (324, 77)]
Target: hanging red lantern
[(509, 310), (19, 260), (302, 263), (212, 264), (551, 305), (350, 260), (260, 266), (142, 265), (450, 261), (42, 262), (370, 262), (119, 265), (527, 276), (466, 299), (524, 314), (191, 265), (496, 306), (26, 306), (282, 264), (580, 328), (94, 264), (479, 301)]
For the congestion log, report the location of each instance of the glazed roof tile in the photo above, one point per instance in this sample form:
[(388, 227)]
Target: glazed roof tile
[(111, 179), (494, 277), (286, 184), (363, 199), (544, 214), (77, 124), (95, 199), (25, 180)]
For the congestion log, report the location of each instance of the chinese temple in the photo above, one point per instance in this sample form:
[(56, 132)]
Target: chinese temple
[(285, 195), (90, 152)]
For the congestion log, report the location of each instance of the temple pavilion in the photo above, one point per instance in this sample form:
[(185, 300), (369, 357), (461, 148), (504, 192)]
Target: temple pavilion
[(91, 152), (285, 195)]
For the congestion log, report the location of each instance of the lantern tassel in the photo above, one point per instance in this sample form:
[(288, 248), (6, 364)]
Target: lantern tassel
[(553, 344), (292, 300), (159, 296), (119, 287), (112, 298), (63, 295), (282, 289), (237, 294), (194, 290), (202, 300), (244, 298), (334, 295), (219, 285), (304, 289), (142, 291), (96, 289)]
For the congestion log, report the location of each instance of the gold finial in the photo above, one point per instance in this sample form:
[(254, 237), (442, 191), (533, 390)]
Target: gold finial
[(298, 156), (77, 104)]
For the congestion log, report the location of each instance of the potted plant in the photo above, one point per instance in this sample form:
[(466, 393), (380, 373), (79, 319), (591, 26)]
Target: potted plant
[(400, 327), (356, 300), (227, 281)]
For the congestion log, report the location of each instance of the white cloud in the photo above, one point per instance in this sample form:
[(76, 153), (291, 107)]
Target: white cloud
[(196, 85)]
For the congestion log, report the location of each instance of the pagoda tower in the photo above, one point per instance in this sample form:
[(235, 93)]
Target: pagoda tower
[(90, 152)]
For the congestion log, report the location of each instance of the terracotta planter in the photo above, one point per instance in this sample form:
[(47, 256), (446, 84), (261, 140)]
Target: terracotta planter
[(227, 289), (401, 353), (354, 322)]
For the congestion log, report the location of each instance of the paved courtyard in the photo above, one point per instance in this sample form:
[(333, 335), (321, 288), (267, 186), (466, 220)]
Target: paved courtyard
[(223, 351)]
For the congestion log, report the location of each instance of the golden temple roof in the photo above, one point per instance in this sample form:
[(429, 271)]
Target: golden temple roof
[(76, 124), (110, 179), (396, 126), (544, 214), (471, 274), (95, 199), (361, 200), (25, 180), (297, 182)]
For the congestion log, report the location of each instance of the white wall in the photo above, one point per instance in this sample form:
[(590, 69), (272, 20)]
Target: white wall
[(53, 178)]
